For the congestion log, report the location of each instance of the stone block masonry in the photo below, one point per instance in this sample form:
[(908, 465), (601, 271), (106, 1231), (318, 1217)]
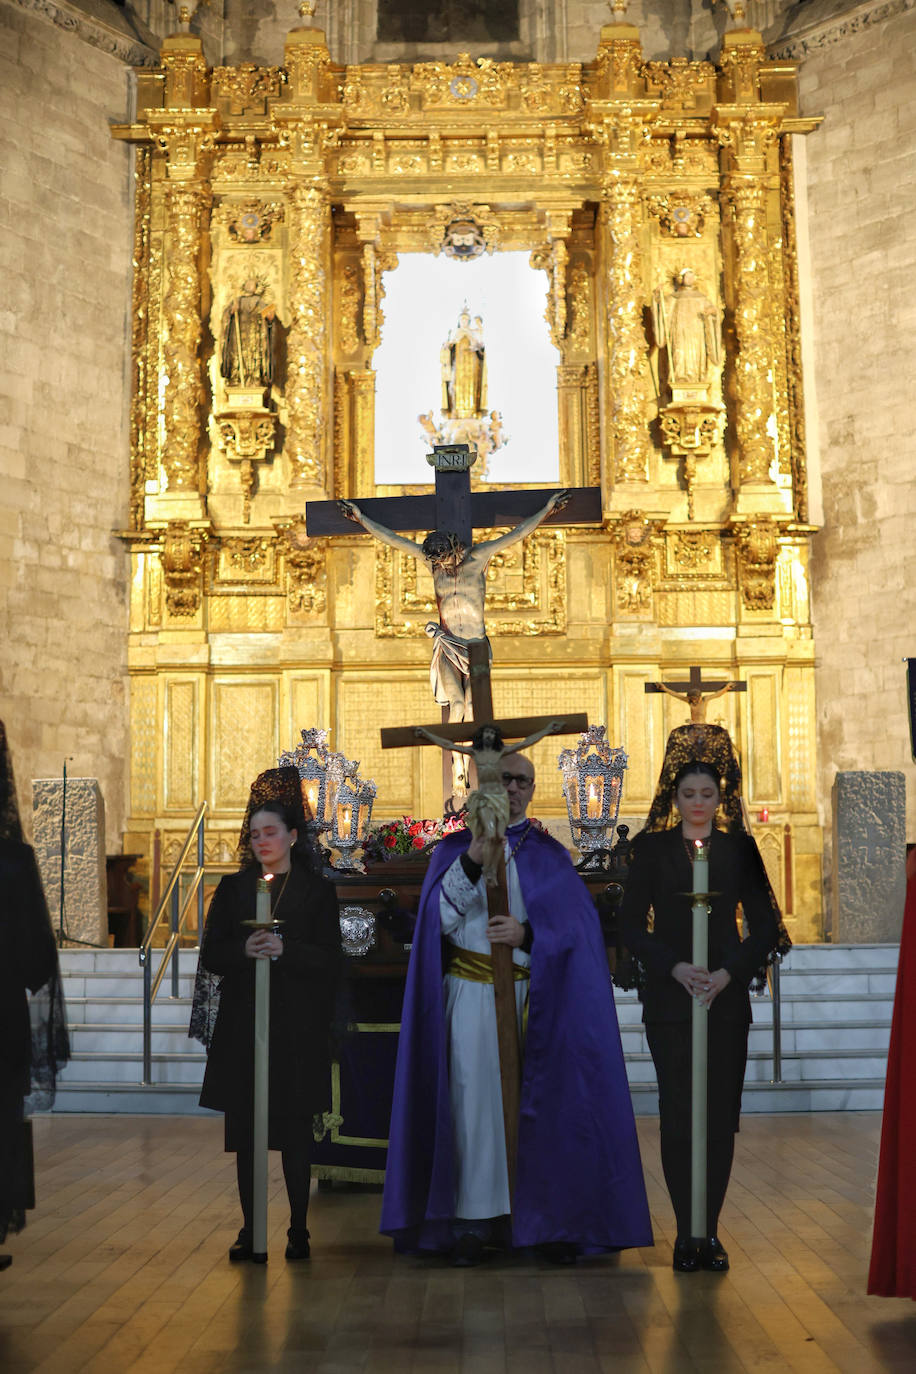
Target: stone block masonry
[(65, 263)]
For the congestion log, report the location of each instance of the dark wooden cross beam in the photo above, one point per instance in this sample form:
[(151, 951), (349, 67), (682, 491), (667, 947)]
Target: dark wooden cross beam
[(405, 737), (695, 683), (697, 693), (453, 506)]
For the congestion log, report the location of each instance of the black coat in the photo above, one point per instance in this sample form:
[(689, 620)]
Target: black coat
[(303, 983), (28, 958), (660, 876)]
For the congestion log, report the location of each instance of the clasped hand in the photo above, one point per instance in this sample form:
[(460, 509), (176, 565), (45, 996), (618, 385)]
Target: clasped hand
[(263, 944), (700, 983), (505, 930)]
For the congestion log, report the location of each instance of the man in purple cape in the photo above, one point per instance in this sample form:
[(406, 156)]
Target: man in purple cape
[(579, 1181)]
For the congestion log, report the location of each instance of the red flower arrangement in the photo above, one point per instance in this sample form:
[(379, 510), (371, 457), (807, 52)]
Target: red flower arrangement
[(406, 836)]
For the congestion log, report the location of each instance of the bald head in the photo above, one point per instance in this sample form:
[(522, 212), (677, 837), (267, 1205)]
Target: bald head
[(520, 787)]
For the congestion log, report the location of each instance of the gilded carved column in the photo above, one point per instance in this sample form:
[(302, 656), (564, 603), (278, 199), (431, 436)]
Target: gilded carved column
[(303, 126), (307, 343), (621, 114), (186, 134), (747, 131)]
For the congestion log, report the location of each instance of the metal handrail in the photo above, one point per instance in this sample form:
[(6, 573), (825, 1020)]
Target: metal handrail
[(169, 899), (772, 984)]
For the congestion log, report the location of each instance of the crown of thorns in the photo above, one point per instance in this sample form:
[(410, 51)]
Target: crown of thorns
[(441, 543)]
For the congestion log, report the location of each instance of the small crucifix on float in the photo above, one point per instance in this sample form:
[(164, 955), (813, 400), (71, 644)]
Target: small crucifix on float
[(487, 815), (458, 566), (696, 693)]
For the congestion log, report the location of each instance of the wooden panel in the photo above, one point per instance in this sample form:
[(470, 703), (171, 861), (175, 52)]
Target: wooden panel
[(763, 775), (639, 728), (181, 782), (243, 738), (144, 744)]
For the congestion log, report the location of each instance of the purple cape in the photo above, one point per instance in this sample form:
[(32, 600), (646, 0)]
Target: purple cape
[(579, 1176)]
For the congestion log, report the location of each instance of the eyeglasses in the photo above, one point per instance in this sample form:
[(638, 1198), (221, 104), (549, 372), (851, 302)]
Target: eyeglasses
[(521, 780)]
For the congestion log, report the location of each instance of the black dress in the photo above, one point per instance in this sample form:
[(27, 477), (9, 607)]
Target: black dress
[(660, 878), (303, 982), (28, 959)]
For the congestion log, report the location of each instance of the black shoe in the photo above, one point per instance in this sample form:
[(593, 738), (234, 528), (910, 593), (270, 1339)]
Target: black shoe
[(713, 1256), (557, 1252), (241, 1249), (686, 1257), (468, 1251), (297, 1244)]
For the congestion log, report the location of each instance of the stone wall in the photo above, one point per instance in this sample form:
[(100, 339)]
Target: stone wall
[(858, 71), (65, 264)]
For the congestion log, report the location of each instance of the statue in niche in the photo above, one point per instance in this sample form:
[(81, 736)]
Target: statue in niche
[(247, 337), (464, 368), (464, 418), (686, 325)]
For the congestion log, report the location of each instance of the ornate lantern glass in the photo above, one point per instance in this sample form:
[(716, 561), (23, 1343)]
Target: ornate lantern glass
[(592, 785), (351, 815), (311, 758)]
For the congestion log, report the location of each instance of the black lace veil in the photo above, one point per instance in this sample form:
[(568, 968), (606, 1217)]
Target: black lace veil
[(276, 784), (712, 745)]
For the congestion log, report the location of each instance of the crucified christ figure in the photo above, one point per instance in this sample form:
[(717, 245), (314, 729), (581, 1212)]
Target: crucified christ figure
[(459, 580), (488, 804), (697, 700)]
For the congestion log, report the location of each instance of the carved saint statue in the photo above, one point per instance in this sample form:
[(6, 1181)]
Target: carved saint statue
[(686, 324), (247, 338), (464, 369), (459, 579)]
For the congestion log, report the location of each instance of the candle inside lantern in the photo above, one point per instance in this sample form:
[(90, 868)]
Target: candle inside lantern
[(311, 797), (344, 814), (593, 806)]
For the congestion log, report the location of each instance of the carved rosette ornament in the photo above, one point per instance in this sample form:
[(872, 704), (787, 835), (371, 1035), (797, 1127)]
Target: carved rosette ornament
[(756, 552), (636, 540), (182, 563), (306, 391), (246, 436), (306, 568)]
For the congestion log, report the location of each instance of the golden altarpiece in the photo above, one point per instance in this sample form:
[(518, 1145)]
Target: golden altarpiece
[(658, 197)]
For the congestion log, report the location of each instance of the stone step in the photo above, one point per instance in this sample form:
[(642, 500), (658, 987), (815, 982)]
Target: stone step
[(127, 1067)]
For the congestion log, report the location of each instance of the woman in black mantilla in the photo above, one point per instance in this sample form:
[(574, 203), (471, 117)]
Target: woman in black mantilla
[(306, 959), (700, 779)]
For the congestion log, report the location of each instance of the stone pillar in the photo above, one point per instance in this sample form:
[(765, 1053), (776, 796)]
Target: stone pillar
[(747, 129), (869, 857), (85, 886), (623, 112)]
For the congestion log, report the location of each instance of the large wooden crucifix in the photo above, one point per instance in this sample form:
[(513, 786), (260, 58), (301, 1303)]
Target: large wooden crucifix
[(696, 693), (489, 735), (458, 566)]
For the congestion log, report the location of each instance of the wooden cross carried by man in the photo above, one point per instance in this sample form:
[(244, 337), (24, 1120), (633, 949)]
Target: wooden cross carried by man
[(460, 670), (489, 748)]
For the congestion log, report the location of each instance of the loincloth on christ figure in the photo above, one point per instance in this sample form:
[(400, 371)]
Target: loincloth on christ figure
[(448, 649)]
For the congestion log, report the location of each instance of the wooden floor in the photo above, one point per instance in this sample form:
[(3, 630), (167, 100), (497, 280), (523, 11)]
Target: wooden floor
[(123, 1267)]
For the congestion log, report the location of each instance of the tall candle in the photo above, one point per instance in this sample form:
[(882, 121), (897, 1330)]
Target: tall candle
[(261, 1062), (262, 900), (700, 866)]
